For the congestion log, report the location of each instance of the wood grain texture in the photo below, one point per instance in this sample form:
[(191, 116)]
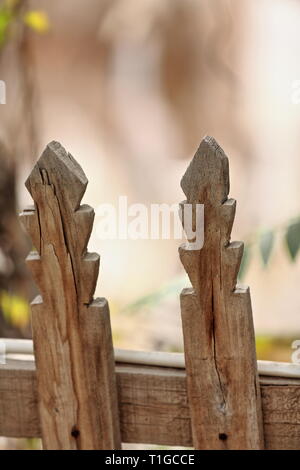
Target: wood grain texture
[(153, 405), (281, 416), (19, 415), (71, 332), (220, 357)]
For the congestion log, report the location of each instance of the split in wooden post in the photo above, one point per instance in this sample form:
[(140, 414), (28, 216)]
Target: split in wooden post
[(220, 356), (72, 334)]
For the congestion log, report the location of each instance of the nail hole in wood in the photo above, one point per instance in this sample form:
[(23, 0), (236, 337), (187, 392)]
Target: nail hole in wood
[(223, 436), (75, 433)]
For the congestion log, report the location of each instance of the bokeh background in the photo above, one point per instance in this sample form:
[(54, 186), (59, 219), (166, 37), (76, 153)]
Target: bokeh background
[(130, 87)]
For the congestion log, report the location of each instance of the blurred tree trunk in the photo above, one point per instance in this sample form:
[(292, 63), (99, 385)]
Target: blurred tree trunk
[(12, 273), (18, 132)]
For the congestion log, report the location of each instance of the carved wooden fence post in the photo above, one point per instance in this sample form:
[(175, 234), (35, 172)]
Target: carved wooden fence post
[(222, 380), (71, 331)]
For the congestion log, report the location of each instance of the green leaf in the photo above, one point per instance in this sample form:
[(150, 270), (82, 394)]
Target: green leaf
[(245, 262), (6, 17), (292, 238), (265, 245)]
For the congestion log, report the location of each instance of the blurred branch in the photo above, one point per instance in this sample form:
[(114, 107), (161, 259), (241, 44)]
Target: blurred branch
[(16, 20), (261, 239), (14, 13)]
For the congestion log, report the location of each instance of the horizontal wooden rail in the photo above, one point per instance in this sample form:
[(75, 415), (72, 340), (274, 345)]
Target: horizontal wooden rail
[(160, 359), (152, 402)]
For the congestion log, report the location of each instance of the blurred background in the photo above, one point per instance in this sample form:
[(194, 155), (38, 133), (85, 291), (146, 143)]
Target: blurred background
[(130, 87)]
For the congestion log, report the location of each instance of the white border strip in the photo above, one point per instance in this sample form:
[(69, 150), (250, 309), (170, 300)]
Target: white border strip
[(162, 359)]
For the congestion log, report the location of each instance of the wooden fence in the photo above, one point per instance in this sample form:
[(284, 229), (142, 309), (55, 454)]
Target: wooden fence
[(78, 393)]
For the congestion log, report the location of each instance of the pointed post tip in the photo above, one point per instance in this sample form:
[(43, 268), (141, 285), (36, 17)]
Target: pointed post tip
[(207, 176), (210, 143), (55, 154), (61, 169), (54, 145)]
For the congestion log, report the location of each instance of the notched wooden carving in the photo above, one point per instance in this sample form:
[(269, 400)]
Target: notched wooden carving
[(59, 227), (217, 317), (75, 367)]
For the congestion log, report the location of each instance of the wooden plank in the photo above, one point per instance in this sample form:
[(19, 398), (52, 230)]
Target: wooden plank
[(76, 380), (218, 331), (19, 416), (153, 405), (281, 416)]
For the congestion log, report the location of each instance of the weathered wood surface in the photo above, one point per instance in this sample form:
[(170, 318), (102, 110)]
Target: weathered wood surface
[(153, 405), (71, 331), (219, 343)]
